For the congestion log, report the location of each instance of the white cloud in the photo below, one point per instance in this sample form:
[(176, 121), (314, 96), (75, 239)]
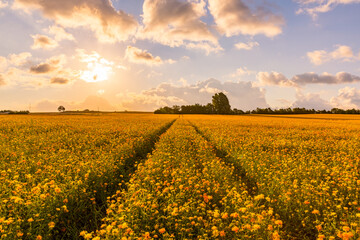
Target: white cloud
[(242, 95), (234, 17), (342, 52), (42, 41), (3, 4), (2, 80), (60, 33), (278, 79), (242, 71), (3, 63), (313, 7), (274, 78), (154, 74), (311, 101), (246, 46), (19, 59), (347, 98), (108, 24), (177, 23)]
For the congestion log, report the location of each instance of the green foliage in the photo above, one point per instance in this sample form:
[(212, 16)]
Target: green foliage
[(221, 103)]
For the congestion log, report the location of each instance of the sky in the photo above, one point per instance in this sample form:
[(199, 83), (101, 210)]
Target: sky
[(139, 55)]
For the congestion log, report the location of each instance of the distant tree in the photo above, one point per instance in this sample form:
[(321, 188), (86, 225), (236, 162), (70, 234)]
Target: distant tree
[(61, 109), (221, 103)]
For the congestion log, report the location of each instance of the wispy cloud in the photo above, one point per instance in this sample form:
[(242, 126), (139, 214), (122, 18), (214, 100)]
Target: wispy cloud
[(246, 46), (60, 33), (342, 52), (314, 7), (278, 79)]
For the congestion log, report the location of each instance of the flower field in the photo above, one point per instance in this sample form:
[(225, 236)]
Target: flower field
[(56, 172), (144, 176), (307, 165)]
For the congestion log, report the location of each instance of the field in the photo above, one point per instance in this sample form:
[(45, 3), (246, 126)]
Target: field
[(145, 176)]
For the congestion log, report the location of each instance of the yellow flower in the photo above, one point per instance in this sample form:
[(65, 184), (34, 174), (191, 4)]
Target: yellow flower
[(162, 230), (315, 211), (278, 222), (51, 225)]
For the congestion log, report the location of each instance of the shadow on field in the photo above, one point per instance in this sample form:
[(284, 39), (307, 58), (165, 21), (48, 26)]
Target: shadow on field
[(87, 209)]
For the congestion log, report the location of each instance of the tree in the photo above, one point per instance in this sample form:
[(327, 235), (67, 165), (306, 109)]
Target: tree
[(61, 109), (221, 103)]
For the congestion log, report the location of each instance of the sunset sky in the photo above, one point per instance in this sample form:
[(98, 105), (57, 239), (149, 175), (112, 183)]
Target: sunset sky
[(142, 55)]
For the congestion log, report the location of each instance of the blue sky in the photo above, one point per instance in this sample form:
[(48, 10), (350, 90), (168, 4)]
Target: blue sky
[(141, 55)]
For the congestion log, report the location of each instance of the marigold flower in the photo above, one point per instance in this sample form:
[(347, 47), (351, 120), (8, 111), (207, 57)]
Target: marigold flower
[(51, 225), (235, 229)]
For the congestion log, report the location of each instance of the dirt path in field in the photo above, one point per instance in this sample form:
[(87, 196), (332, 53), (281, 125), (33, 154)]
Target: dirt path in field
[(141, 153), (239, 173), (125, 171)]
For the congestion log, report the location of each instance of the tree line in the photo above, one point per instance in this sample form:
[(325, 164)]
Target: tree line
[(13, 112), (220, 105)]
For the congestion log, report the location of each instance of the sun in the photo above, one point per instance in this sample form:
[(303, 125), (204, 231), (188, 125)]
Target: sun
[(97, 72)]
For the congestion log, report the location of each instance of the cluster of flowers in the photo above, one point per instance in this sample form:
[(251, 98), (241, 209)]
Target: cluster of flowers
[(310, 168), (183, 191), (57, 172)]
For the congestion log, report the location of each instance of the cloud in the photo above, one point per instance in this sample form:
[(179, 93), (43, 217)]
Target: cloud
[(60, 33), (278, 79), (177, 23), (241, 71), (50, 65), (42, 68), (108, 24), (137, 55), (3, 63), (326, 78), (342, 52), (59, 80), (3, 4), (274, 78), (347, 98), (246, 46), (311, 101), (19, 59), (2, 80), (242, 95), (313, 7), (42, 41), (234, 17)]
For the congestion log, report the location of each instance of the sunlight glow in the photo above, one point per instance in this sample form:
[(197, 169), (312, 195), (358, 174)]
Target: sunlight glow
[(99, 69)]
